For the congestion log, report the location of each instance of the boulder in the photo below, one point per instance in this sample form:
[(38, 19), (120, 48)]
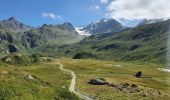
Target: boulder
[(134, 88), (98, 81), (28, 77), (125, 85), (7, 59)]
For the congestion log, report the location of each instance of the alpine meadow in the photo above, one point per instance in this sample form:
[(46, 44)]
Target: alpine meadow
[(84, 50)]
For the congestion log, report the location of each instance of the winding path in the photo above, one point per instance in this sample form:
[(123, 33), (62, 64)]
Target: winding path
[(73, 82)]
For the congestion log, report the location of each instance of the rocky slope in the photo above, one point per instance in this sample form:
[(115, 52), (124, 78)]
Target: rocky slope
[(101, 26), (13, 25)]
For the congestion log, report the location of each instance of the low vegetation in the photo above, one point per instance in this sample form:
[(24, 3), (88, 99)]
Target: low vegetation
[(47, 82), (20, 59), (117, 73)]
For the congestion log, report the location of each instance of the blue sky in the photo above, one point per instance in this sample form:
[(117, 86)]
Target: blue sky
[(78, 12), (83, 12)]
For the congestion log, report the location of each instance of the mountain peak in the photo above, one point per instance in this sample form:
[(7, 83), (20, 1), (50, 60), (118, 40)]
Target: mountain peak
[(68, 25), (101, 26), (13, 25), (105, 20), (44, 25), (12, 19)]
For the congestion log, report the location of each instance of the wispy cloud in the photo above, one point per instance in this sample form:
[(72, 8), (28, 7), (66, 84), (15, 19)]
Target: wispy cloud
[(104, 1), (95, 7), (139, 9), (51, 15)]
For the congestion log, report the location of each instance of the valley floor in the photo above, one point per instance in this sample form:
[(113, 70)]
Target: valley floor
[(119, 73), (48, 80)]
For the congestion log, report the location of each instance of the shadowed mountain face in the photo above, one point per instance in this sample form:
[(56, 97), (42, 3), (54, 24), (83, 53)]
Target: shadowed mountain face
[(50, 34), (12, 25)]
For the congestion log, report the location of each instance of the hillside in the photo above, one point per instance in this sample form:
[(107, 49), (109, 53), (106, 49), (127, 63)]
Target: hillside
[(38, 81), (145, 43), (10, 34), (18, 37), (42, 38)]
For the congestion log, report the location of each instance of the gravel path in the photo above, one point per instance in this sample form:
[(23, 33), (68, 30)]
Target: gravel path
[(73, 82)]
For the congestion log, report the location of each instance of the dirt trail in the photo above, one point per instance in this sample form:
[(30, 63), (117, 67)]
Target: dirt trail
[(73, 82)]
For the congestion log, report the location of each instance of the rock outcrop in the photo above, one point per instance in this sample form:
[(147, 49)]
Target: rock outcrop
[(29, 77), (98, 81), (128, 88)]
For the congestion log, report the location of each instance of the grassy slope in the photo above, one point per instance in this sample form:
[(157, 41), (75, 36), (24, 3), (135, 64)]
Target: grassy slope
[(88, 69), (145, 43), (46, 86)]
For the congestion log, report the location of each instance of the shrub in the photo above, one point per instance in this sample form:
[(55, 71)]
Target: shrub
[(84, 55), (35, 58), (139, 74)]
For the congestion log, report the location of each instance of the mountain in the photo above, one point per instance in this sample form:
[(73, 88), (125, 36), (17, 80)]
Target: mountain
[(17, 37), (101, 26), (49, 37), (10, 32), (13, 25), (150, 21), (144, 43), (9, 42)]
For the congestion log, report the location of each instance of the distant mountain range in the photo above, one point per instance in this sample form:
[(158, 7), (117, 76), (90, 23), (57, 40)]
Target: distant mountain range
[(16, 36), (101, 26), (54, 34), (103, 39), (13, 25), (144, 43)]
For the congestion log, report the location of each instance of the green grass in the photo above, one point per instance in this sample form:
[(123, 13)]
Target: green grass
[(49, 80), (47, 84), (112, 72), (144, 43)]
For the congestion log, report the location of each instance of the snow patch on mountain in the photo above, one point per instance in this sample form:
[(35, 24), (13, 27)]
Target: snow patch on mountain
[(82, 32), (96, 22)]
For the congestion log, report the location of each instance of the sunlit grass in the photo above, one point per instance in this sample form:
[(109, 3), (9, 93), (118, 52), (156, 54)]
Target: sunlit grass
[(48, 82), (49, 79), (116, 72)]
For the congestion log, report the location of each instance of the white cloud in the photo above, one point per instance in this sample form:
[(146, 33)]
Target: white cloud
[(95, 7), (104, 1), (51, 15), (139, 9)]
